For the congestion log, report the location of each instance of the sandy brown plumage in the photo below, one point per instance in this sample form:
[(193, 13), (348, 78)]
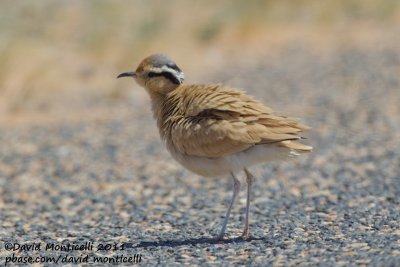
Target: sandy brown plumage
[(215, 121), (214, 130)]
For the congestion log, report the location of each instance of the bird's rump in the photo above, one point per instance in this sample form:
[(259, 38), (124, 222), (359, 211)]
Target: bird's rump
[(214, 121)]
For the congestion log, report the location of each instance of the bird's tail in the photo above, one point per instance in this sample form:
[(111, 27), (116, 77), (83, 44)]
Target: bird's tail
[(298, 147)]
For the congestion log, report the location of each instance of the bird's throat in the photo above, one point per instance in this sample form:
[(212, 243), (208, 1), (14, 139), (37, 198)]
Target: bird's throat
[(157, 101)]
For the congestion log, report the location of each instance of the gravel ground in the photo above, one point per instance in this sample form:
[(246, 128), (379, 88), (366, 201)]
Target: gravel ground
[(111, 180)]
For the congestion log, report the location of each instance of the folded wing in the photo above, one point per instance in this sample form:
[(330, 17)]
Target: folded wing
[(215, 121)]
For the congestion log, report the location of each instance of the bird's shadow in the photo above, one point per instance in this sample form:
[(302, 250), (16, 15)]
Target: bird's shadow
[(190, 241)]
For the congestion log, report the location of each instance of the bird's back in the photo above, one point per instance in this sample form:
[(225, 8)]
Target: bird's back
[(214, 121)]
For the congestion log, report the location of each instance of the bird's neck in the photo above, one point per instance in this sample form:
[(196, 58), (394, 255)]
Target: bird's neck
[(165, 111), (157, 100)]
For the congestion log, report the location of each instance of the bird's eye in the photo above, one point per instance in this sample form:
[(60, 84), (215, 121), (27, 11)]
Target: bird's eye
[(153, 74)]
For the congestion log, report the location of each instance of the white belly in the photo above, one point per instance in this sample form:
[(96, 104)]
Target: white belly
[(211, 167)]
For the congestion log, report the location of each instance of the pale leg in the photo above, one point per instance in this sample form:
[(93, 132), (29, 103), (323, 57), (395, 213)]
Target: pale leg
[(236, 189), (249, 180)]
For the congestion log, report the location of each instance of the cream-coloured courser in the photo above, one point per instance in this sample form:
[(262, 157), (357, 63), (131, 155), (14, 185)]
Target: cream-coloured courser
[(215, 130)]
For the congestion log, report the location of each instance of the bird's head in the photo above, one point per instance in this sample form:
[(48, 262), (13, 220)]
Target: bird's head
[(157, 73)]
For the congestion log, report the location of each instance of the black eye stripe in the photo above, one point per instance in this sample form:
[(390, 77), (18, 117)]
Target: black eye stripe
[(166, 75)]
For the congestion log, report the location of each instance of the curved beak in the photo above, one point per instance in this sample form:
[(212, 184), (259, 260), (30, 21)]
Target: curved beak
[(126, 74)]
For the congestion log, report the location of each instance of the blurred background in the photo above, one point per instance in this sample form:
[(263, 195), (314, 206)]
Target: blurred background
[(80, 155), (59, 58)]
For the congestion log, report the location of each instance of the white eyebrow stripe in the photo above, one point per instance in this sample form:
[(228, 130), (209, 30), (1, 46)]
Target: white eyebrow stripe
[(178, 74)]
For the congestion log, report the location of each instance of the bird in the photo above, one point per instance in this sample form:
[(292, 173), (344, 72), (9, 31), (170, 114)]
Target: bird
[(214, 130)]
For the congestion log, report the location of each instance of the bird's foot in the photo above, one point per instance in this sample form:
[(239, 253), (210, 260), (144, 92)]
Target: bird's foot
[(219, 237), (245, 235)]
